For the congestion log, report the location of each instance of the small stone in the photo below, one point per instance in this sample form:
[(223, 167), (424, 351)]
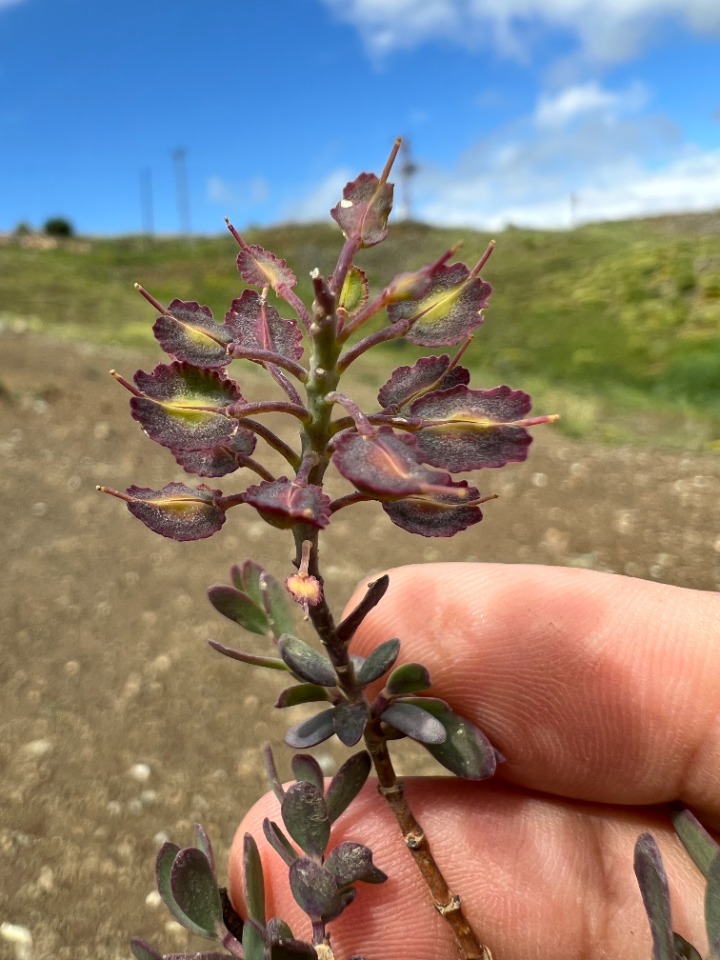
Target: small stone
[(20, 936), (153, 899), (37, 748), (140, 772), (46, 880), (39, 509), (72, 668)]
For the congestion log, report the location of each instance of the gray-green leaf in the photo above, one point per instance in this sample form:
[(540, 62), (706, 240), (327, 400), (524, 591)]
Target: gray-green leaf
[(306, 819), (305, 662), (466, 751), (379, 662)]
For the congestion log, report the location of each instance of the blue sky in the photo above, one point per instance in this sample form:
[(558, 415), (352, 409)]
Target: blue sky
[(511, 107)]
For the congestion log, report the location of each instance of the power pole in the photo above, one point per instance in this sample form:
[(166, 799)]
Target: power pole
[(573, 210), (183, 194), (407, 170)]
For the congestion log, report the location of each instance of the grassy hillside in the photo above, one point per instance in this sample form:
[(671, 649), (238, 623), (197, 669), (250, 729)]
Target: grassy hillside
[(616, 326)]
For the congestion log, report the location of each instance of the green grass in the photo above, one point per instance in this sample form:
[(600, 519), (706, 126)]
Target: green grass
[(616, 325)]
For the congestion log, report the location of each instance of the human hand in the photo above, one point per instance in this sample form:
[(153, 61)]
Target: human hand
[(603, 693)]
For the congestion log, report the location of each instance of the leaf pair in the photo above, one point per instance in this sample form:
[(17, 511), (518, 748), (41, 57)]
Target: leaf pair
[(256, 601), (322, 885), (186, 882)]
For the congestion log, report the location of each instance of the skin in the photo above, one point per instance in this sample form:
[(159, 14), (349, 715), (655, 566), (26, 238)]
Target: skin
[(604, 694)]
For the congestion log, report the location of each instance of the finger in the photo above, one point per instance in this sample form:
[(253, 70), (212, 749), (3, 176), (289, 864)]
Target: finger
[(593, 686), (539, 877)]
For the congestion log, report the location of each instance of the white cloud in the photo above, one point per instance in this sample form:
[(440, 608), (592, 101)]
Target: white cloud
[(596, 175), (317, 201), (606, 30), (573, 103), (4, 4), (237, 193)]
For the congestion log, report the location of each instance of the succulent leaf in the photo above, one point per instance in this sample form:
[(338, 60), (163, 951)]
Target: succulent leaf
[(364, 209), (308, 733), (254, 889), (316, 891), (203, 844), (712, 906), (465, 751), (438, 515), (195, 891), (302, 693), (305, 767), (279, 842), (239, 608), (183, 407), (429, 374), (277, 929), (306, 662), (379, 662), (306, 819), (350, 862), (653, 884), (272, 663), (350, 720), (277, 608), (143, 951), (284, 503), (177, 511), (375, 591), (234, 923), (414, 722), (189, 332), (685, 950), (385, 465), (256, 325), (476, 428), (408, 678), (347, 784), (163, 870), (700, 846), (448, 311), (247, 579)]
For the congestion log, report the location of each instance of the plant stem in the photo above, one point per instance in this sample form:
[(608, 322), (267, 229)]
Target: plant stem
[(447, 904)]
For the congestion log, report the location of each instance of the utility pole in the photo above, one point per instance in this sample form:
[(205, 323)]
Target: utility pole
[(407, 170), (573, 210), (183, 194)]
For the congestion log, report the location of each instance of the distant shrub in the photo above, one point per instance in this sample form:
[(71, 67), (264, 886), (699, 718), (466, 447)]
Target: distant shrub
[(58, 227), (23, 229)]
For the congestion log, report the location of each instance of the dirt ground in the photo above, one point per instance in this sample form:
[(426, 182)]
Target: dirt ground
[(118, 726)]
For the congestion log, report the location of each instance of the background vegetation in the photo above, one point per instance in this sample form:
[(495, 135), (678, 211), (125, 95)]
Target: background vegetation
[(616, 326)]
